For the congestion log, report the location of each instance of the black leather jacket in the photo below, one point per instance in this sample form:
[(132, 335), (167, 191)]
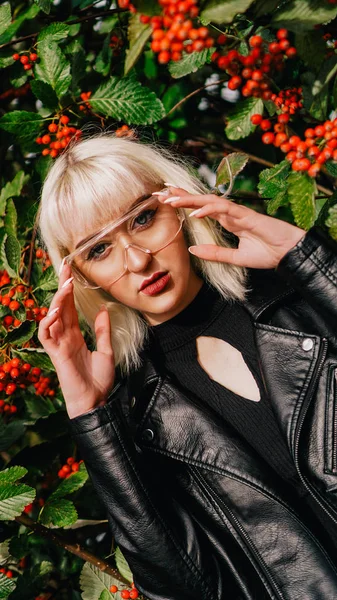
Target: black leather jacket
[(196, 512)]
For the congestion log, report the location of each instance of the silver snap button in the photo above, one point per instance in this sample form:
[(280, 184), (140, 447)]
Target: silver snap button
[(307, 344), (133, 401), (147, 435)]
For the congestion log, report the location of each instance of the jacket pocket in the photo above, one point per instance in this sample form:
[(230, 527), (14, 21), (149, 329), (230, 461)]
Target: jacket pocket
[(330, 461)]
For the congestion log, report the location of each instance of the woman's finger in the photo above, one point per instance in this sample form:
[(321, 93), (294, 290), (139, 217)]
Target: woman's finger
[(44, 333), (218, 254), (219, 205), (103, 332)]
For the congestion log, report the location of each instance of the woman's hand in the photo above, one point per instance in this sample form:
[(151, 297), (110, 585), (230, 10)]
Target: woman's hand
[(263, 240), (85, 377)]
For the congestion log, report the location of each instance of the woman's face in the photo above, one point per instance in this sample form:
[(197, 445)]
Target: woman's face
[(159, 284)]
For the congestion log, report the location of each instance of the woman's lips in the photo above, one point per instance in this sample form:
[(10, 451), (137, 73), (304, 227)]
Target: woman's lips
[(157, 286)]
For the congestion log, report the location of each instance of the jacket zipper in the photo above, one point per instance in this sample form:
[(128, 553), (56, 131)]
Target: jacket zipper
[(334, 431), (237, 525), (318, 369)]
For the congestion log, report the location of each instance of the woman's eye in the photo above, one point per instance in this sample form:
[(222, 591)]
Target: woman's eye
[(96, 252), (144, 218)]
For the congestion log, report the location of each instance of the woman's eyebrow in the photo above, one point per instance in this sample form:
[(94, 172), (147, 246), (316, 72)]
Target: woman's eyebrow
[(133, 205)]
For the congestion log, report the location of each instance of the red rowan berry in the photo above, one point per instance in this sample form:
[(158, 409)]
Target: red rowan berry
[(279, 128), (291, 156), (144, 19), (268, 138), (113, 589), (265, 124), (314, 169), (9, 574), (255, 41), (164, 57), (14, 373), (10, 388), (284, 45), (235, 82), (8, 320), (125, 594), (134, 594), (274, 48), (24, 59), (14, 409), (301, 164), (222, 39), (33, 57), (257, 75), (45, 152), (294, 140), (17, 322), (286, 147), (14, 305), (64, 119), (27, 67), (280, 138), (203, 32), (5, 300), (52, 127), (16, 56), (291, 52), (281, 34), (256, 119), (46, 139)]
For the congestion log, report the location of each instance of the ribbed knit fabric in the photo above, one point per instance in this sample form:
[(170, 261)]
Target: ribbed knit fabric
[(173, 347)]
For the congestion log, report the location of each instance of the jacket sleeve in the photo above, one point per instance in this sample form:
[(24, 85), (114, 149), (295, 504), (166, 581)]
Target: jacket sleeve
[(311, 269), (166, 561)]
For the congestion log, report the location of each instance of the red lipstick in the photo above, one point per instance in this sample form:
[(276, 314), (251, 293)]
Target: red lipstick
[(155, 284)]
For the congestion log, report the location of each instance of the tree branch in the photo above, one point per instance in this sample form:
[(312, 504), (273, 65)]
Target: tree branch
[(193, 94), (60, 540)]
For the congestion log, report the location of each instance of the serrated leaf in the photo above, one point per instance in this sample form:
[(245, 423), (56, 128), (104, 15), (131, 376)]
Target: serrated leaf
[(311, 48), (190, 63), (331, 167), (14, 497), (105, 595), (301, 192), (48, 280), (138, 35), (281, 199), (37, 357), (11, 254), (21, 334), (274, 180), (239, 124), (22, 123), (11, 217), (6, 586), (39, 407), (331, 222), (93, 582), (59, 512), (10, 433), (12, 28), (54, 32), (236, 161), (69, 485), (44, 92), (4, 551), (5, 17), (6, 60), (148, 7), (12, 474), (122, 565), (11, 189), (301, 15), (103, 60), (223, 11), (127, 100), (53, 67), (45, 5), (265, 7), (19, 545)]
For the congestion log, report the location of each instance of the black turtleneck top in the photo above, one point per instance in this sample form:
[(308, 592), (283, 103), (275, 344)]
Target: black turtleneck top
[(172, 346)]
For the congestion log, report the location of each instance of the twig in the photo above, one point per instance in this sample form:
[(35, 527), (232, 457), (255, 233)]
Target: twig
[(60, 540), (257, 159), (193, 94), (103, 13)]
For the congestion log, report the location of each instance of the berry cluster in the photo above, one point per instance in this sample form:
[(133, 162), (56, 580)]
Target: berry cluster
[(309, 154), (15, 92), (71, 466), (14, 299), (7, 572), (16, 374), (251, 73), (125, 593), (288, 101), (43, 256), (86, 107), (63, 136), (116, 44), (27, 60), (125, 131), (29, 507)]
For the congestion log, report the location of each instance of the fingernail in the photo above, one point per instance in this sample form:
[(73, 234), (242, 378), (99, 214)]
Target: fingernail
[(191, 248), (52, 312), (61, 266), (160, 193), (67, 282), (195, 212), (172, 199), (103, 307), (171, 185)]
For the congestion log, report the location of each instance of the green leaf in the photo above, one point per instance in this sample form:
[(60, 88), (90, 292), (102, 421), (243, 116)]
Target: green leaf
[(274, 180), (10, 433), (6, 60), (11, 189), (6, 586), (239, 123), (331, 167), (13, 497), (127, 100), (311, 48), (5, 554), (138, 35), (21, 334), (39, 407), (103, 60), (53, 67), (93, 582), (123, 566), (45, 5), (12, 28), (148, 7), (265, 7), (22, 123), (5, 17), (331, 222), (59, 512), (11, 218), (190, 63), (230, 166), (19, 545), (54, 32), (11, 254), (44, 92), (223, 11), (37, 357), (69, 485), (301, 192), (301, 15), (48, 280)]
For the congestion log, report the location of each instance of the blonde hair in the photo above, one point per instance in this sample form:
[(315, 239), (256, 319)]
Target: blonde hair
[(90, 183)]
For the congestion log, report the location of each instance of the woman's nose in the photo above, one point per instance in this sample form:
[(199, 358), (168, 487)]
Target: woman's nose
[(137, 258)]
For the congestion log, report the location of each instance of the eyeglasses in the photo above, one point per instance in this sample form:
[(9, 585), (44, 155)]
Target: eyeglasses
[(147, 228)]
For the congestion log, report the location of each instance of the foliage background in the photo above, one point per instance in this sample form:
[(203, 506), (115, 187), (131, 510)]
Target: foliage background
[(58, 545)]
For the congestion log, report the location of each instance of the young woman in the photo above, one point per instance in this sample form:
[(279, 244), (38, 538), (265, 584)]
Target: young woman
[(206, 416)]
